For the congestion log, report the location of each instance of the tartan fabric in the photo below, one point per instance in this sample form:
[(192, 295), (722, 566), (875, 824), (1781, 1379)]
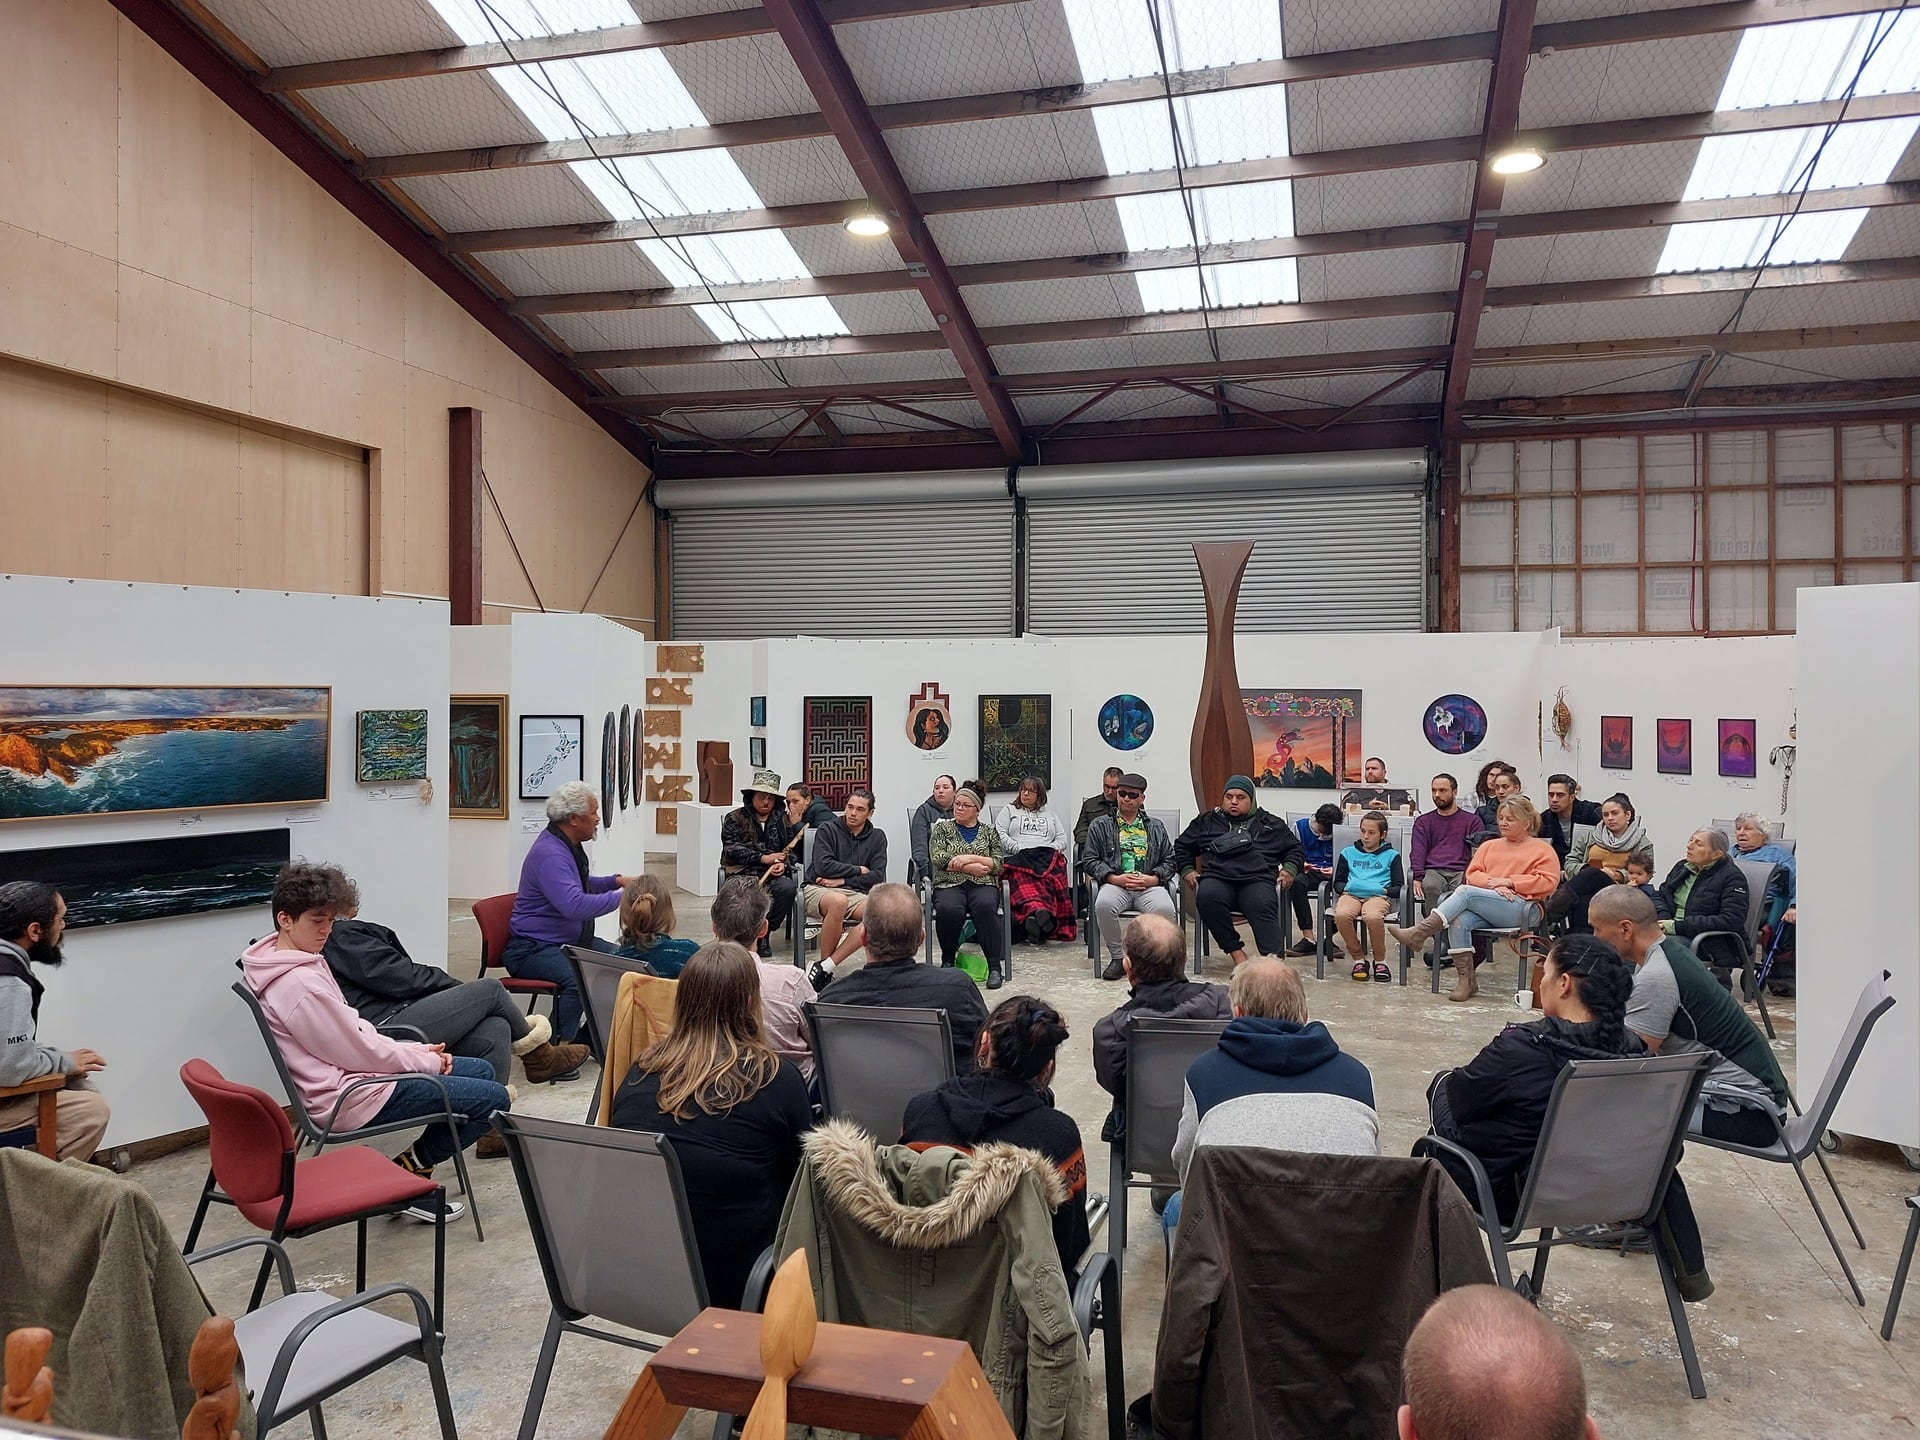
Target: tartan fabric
[(1031, 890)]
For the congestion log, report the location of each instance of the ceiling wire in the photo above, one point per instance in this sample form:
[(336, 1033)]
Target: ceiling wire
[(1180, 175)]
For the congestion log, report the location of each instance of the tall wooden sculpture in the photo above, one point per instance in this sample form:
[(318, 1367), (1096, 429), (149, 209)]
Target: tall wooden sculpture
[(1222, 739)]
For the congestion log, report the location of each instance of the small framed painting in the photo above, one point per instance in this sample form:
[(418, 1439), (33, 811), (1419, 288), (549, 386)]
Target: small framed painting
[(1673, 747), (1616, 742), (552, 752), (757, 710), (757, 751), (1739, 759)]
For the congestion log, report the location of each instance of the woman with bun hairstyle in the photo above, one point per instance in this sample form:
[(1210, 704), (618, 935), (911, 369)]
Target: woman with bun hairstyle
[(1009, 1100)]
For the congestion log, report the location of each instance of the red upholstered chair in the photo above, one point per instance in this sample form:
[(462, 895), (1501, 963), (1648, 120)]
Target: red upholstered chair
[(492, 914), (252, 1152)]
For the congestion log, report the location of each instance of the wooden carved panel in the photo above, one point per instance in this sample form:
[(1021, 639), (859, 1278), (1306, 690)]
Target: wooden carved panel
[(667, 755), (663, 722), (680, 659), (666, 789), (662, 690), (666, 821)]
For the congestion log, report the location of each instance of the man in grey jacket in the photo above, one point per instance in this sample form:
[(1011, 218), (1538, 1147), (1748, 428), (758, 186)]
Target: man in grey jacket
[(33, 918), (1129, 857)]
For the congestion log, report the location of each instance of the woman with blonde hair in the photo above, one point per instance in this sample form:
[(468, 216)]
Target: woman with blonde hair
[(646, 927), (1507, 879), (732, 1111)]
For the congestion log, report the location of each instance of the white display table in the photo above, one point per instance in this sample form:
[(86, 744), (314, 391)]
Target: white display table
[(699, 846)]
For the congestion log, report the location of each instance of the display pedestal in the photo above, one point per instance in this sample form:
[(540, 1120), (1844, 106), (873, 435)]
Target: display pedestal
[(699, 846)]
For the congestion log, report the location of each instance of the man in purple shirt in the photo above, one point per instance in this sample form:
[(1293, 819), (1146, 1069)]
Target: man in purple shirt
[(1440, 845), (559, 901)]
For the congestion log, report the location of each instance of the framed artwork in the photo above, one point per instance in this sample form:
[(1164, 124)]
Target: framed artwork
[(757, 710), (121, 750), (152, 879), (1455, 724), (391, 744), (1016, 740), (1304, 739), (1126, 722), (552, 752), (1616, 742), (839, 746), (1739, 754), (625, 753), (609, 769), (757, 752), (476, 761), (1673, 747), (929, 718)]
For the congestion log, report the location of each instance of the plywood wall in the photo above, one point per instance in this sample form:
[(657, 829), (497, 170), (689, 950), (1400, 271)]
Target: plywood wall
[(151, 240)]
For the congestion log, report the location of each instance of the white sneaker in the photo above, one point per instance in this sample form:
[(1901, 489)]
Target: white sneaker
[(427, 1209)]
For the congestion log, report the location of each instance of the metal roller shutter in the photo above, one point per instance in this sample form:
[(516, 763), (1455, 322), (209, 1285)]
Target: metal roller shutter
[(866, 557), (1341, 543)]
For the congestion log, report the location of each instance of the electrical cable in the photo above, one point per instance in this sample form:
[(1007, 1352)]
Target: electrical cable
[(1180, 176)]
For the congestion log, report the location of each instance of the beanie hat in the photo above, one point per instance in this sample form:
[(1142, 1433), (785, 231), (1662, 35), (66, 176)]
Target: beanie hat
[(1240, 782)]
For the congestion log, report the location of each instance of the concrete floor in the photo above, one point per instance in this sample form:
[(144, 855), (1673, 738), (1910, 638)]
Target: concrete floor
[(1785, 1351)]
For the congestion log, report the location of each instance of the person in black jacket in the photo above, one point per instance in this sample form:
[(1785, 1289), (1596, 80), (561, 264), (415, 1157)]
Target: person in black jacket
[(1009, 1100), (1707, 891), (1494, 1104), (758, 840), (849, 859), (893, 977), (1565, 809), (1154, 953), (1238, 858), (477, 1018)]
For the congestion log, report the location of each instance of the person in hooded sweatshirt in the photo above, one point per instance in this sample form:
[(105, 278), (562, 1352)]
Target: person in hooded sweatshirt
[(1009, 1099), (1276, 1080), (327, 1046)]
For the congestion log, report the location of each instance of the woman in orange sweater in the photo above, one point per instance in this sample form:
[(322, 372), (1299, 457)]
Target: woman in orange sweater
[(1505, 878)]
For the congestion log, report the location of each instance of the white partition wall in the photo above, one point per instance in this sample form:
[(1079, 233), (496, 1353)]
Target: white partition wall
[(153, 994), (1858, 778)]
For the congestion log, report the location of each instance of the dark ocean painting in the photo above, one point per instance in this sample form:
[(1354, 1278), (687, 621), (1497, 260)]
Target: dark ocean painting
[(151, 879), (73, 750)]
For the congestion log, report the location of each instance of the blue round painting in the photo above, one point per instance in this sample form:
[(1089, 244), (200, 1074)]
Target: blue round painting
[(1455, 724), (1126, 722)]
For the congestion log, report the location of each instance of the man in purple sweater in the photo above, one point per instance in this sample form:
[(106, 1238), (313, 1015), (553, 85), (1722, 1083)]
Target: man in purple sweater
[(1440, 846), (559, 901)]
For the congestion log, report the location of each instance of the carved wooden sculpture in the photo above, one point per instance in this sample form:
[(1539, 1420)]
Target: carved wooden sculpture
[(681, 659), (664, 690), (787, 1328), (662, 722), (714, 760), (216, 1407), (1222, 738), (28, 1392)]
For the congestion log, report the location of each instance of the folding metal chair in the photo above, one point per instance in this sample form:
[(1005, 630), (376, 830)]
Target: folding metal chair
[(871, 1060), (1158, 1054)]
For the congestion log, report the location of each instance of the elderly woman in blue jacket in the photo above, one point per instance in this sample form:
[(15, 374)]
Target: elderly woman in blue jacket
[(1367, 877)]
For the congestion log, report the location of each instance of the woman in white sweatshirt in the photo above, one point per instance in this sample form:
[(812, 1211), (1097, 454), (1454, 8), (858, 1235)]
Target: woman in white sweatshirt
[(1039, 882)]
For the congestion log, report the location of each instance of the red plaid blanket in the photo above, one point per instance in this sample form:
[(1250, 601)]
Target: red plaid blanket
[(1045, 889)]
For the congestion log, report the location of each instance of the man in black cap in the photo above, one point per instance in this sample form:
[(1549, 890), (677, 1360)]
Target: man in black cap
[(1129, 858), (1237, 859)]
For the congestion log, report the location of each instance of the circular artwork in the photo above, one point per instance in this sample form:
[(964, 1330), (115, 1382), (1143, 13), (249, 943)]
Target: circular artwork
[(1126, 722), (1455, 724), (609, 769)]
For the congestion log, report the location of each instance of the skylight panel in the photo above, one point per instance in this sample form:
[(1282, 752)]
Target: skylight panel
[(1114, 38), (1221, 213), (757, 319), (1815, 60), (1738, 244), (725, 259), (482, 22), (1251, 282), (1215, 128)]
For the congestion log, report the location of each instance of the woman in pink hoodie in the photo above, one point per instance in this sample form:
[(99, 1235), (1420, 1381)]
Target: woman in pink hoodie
[(327, 1046)]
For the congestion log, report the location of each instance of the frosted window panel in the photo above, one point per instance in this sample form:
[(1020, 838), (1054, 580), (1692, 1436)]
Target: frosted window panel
[(1221, 214), (772, 319), (1774, 162), (1609, 530), (1737, 457), (1871, 452), (1116, 41), (1253, 282), (1815, 60), (1215, 127), (1487, 469), (1546, 532), (724, 259), (1803, 523), (1672, 528), (1486, 532), (1737, 526), (1486, 601), (633, 91), (1673, 600), (1670, 461), (1870, 527), (1546, 600), (689, 182), (1545, 466), (1800, 455), (1787, 581), (1740, 244), (1872, 572), (481, 22), (1609, 462), (1609, 602), (1738, 597)]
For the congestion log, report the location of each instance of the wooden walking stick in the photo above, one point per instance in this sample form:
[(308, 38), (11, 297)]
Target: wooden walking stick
[(28, 1393)]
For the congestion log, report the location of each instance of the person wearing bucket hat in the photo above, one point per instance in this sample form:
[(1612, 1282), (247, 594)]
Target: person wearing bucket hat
[(757, 841), (1238, 858)]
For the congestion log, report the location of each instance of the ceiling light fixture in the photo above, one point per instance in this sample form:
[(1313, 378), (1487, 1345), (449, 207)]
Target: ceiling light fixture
[(1517, 162), (868, 223)]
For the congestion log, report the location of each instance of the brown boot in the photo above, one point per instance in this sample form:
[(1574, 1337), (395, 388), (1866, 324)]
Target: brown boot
[(1415, 937), (550, 1064), (490, 1146), (1463, 973)]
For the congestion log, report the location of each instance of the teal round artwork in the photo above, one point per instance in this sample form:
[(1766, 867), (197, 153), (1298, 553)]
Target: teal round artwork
[(1126, 722)]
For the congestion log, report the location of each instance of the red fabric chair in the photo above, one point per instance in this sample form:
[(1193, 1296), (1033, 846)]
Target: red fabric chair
[(251, 1148), (493, 915)]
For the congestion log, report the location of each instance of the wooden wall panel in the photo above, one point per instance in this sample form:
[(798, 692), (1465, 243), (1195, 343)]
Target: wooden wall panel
[(53, 482)]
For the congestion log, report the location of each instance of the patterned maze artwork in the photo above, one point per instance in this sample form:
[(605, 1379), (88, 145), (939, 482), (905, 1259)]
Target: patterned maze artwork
[(839, 746), (1016, 740)]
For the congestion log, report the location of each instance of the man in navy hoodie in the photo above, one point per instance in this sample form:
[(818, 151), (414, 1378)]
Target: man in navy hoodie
[(1276, 1080)]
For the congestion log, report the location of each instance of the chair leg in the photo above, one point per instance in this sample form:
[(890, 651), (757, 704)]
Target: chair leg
[(319, 1423), (1114, 1357), (1682, 1331), (542, 1372), (199, 1215), (1540, 1254), (1117, 1205), (1766, 1020), (440, 1263), (1900, 1272), (360, 1255), (466, 1181), (1834, 1185), (260, 1280), (1832, 1240)]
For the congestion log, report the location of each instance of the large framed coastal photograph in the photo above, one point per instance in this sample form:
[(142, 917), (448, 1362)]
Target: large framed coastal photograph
[(127, 749)]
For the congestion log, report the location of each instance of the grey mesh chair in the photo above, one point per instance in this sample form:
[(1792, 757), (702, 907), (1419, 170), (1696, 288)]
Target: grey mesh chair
[(1005, 912), (302, 1349), (1906, 1264), (598, 976), (871, 1060), (1323, 932), (615, 1238), (1158, 1054), (1799, 1137), (320, 1136), (1608, 1146)]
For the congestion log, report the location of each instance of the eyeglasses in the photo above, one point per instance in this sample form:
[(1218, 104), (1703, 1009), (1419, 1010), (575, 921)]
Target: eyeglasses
[(1131, 794)]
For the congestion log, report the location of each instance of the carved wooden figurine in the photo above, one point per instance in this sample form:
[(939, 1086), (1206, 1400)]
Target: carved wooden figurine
[(28, 1392), (216, 1407)]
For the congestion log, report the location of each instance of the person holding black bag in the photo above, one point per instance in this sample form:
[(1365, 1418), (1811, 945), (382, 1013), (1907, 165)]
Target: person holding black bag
[(1237, 859)]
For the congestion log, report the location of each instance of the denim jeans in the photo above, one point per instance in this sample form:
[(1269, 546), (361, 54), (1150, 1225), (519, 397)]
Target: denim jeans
[(478, 1018), (1471, 908), (537, 960), (474, 1092)]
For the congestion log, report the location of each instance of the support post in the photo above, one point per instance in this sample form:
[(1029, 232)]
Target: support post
[(464, 489)]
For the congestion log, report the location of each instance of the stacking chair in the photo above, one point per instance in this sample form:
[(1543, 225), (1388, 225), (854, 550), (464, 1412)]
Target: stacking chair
[(254, 1159), (1799, 1137), (615, 1238), (598, 975), (871, 1060), (1005, 910), (1759, 875), (1095, 943), (321, 1136), (492, 916), (287, 1376), (1158, 1054), (1536, 913), (1608, 1146), (1906, 1264)]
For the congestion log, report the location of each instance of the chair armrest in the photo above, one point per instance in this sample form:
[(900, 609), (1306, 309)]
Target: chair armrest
[(1087, 1286), (52, 1080), (1692, 942), (245, 1242), (289, 1351), (446, 1096), (1430, 1144), (754, 1299), (403, 1032)]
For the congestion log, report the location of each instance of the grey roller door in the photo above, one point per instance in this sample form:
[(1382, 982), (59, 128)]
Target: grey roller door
[(864, 557), (1340, 543)]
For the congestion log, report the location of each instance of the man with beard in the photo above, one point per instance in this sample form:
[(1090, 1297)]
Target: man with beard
[(33, 917)]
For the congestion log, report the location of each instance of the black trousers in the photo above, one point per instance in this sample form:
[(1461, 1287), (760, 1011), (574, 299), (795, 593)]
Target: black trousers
[(1300, 895), (1258, 900), (954, 905), (1587, 884), (782, 888)]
